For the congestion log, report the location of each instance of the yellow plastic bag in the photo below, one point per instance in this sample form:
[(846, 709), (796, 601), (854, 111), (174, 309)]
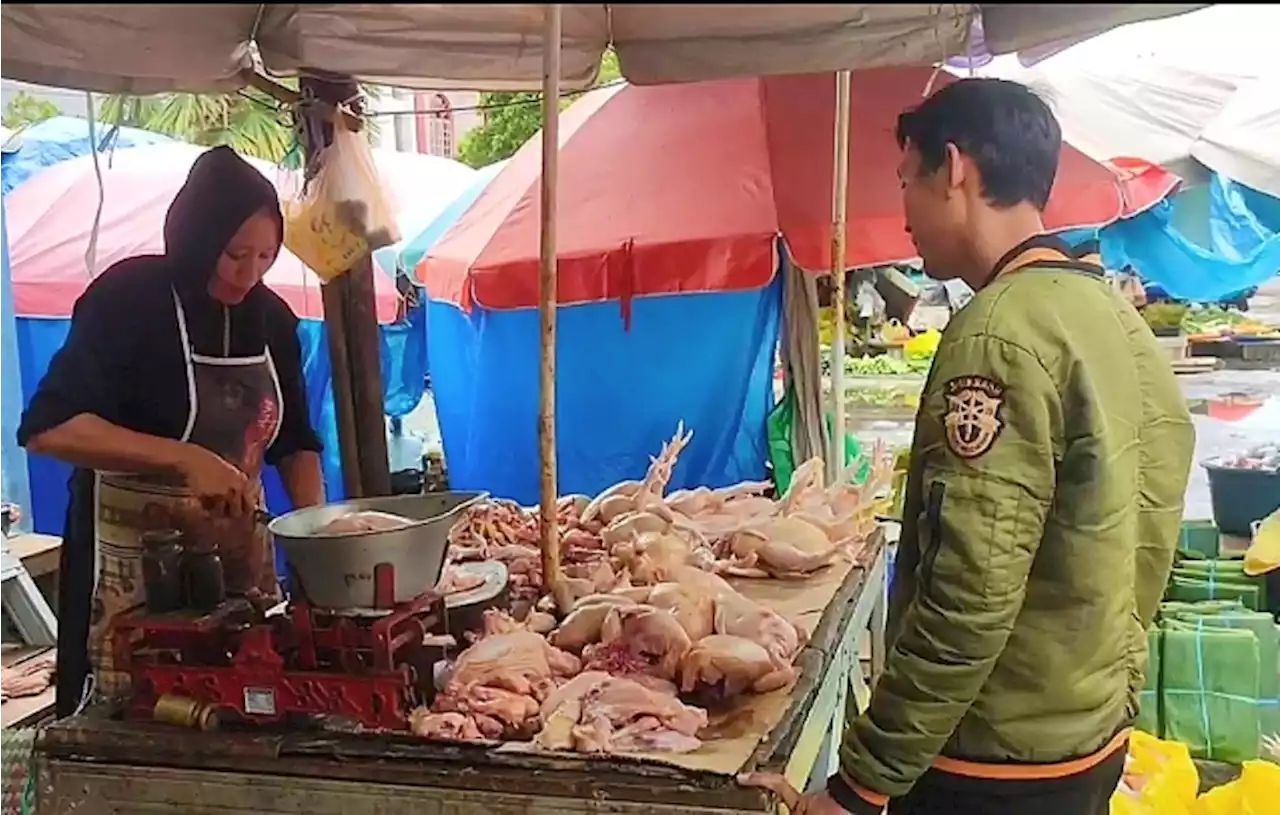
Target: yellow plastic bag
[(1255, 792), (1264, 553), (923, 346), (1159, 778), (343, 214)]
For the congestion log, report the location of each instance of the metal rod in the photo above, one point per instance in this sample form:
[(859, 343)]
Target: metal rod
[(547, 299), (839, 200)]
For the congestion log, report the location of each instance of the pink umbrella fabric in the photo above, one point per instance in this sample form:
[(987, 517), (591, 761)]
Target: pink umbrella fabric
[(51, 218)]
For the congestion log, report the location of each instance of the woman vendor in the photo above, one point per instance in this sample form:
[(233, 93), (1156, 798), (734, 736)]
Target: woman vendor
[(180, 378)]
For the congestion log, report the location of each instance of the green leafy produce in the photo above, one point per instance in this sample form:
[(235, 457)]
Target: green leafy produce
[(1164, 317), (878, 366)]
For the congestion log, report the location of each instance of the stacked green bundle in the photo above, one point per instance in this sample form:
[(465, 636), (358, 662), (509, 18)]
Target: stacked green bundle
[(1267, 633), (1209, 690), (1149, 712), (1197, 580), (1214, 677)]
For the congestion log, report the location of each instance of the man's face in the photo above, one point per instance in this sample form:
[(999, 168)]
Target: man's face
[(933, 215)]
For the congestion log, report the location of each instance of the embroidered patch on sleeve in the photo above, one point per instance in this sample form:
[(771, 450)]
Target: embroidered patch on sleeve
[(972, 419)]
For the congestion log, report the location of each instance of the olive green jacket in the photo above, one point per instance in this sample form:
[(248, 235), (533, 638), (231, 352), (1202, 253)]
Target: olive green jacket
[(1043, 504)]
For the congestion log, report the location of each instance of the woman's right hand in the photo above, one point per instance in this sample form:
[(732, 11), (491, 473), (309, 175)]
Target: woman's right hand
[(220, 486)]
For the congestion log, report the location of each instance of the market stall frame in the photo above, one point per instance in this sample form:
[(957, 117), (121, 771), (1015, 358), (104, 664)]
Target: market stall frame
[(93, 758)]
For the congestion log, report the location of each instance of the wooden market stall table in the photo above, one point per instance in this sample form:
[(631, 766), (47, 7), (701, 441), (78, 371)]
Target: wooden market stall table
[(143, 768)]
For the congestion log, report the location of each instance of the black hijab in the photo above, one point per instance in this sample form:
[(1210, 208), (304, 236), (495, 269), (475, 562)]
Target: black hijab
[(221, 192)]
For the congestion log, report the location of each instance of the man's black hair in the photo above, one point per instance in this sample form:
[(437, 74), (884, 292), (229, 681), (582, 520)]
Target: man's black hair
[(1005, 128)]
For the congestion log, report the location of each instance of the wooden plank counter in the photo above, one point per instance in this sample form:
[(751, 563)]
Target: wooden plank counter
[(92, 764)]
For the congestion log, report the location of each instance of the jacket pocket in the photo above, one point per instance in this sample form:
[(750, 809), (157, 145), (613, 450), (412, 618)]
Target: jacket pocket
[(931, 532)]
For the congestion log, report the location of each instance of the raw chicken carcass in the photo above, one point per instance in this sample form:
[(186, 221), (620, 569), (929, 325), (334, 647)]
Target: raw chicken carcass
[(652, 634), (694, 611), (634, 496), (361, 521), (516, 712), (520, 661), (727, 666), (583, 625), (778, 547), (738, 616), (597, 713), (451, 726)]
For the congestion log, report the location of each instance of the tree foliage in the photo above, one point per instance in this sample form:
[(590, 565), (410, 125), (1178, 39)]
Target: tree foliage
[(511, 119), (249, 121), (24, 110)]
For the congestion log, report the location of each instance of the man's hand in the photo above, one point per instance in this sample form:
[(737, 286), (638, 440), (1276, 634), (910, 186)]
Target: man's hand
[(819, 803)]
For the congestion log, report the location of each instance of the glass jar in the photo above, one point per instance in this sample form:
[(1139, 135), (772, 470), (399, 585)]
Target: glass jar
[(162, 580), (205, 585)]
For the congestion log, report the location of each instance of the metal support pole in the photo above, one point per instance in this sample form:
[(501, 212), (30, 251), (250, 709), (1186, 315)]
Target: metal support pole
[(547, 299), (839, 200)]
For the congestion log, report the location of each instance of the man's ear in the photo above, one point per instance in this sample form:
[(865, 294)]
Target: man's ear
[(955, 167)]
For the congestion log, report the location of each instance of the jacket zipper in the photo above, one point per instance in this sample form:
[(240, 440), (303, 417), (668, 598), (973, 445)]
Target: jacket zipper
[(933, 523)]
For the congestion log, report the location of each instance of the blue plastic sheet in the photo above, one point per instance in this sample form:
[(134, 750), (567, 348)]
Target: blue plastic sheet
[(1245, 251), (16, 487), (62, 138), (1186, 271), (706, 359), (1236, 231)]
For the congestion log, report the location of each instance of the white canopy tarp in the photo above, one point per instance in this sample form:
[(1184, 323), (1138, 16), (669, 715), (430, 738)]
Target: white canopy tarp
[(118, 48), (1204, 85)]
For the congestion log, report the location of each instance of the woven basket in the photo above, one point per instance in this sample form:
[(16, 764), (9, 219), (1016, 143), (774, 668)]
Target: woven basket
[(17, 790)]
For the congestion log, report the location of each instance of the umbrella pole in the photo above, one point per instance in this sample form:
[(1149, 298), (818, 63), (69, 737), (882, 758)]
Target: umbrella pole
[(839, 199), (547, 302)]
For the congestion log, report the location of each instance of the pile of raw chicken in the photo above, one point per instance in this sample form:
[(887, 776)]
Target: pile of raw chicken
[(654, 634)]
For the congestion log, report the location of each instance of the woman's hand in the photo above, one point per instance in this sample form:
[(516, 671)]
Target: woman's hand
[(819, 803), (221, 487)]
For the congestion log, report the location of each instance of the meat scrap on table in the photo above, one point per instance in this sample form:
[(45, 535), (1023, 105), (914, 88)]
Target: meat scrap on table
[(654, 626), (29, 678)]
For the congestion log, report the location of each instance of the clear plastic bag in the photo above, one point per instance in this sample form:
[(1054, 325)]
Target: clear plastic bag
[(344, 213)]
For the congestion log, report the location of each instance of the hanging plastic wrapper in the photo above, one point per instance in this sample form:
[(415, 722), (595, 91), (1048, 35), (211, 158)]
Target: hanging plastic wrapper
[(343, 214)]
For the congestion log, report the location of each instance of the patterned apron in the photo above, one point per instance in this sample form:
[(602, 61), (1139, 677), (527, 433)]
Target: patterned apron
[(235, 410)]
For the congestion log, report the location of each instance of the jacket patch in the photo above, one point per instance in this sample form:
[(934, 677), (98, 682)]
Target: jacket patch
[(972, 419)]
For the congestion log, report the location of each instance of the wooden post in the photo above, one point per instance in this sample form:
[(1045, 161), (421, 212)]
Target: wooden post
[(344, 406), (839, 199), (352, 330), (547, 300)]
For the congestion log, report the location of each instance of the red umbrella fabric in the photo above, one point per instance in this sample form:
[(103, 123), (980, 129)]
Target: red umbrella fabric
[(684, 188), (51, 226)]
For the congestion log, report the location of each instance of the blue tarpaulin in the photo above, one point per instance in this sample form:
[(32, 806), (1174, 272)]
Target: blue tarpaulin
[(1245, 250), (704, 359), (16, 486), (62, 138)]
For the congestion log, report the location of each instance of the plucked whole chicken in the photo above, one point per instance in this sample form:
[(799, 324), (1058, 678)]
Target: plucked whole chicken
[(361, 521), (649, 629)]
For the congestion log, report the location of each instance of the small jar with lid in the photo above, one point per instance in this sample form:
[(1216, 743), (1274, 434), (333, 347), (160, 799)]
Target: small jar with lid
[(203, 577), (162, 578)]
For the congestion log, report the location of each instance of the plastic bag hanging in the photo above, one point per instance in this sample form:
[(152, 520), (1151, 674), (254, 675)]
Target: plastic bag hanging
[(343, 214)]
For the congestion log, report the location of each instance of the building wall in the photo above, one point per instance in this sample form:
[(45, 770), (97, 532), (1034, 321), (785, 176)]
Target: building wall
[(431, 122)]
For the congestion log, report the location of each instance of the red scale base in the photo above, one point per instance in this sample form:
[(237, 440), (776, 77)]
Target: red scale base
[(372, 667)]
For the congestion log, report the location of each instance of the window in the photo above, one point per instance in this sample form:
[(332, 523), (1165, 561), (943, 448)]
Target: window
[(440, 139)]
